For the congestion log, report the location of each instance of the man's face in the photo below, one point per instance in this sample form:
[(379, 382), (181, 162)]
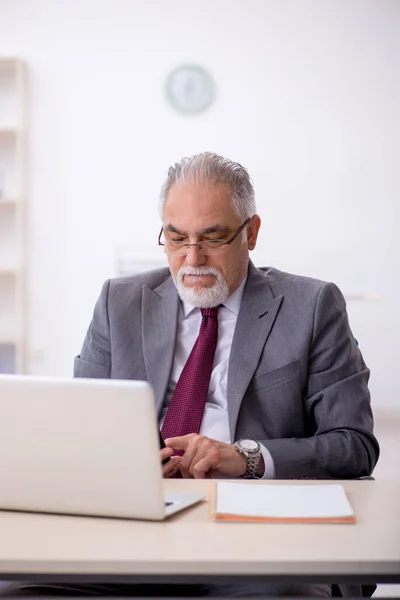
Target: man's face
[(200, 212)]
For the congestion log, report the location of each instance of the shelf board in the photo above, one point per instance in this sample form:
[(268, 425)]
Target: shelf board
[(5, 201), (9, 338), (9, 271), (9, 130), (9, 62)]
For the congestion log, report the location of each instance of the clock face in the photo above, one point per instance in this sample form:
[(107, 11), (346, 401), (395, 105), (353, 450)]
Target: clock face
[(190, 89)]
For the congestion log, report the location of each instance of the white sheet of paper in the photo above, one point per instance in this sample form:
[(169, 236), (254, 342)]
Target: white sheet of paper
[(282, 501)]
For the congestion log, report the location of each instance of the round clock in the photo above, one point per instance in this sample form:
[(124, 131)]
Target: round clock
[(190, 89)]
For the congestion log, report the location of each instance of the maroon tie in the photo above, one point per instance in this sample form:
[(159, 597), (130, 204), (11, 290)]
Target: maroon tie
[(185, 412)]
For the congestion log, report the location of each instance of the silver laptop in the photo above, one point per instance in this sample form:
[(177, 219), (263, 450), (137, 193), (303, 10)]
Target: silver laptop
[(84, 447)]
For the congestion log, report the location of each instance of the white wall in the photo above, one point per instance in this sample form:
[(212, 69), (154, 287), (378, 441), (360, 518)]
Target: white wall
[(308, 99)]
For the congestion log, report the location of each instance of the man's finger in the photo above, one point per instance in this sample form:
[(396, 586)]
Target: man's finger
[(172, 466), (179, 443), (193, 454), (165, 452), (202, 469)]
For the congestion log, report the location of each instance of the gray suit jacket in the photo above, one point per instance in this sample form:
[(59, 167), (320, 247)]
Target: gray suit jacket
[(297, 382)]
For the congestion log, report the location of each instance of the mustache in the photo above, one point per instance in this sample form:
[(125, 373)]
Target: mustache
[(198, 271)]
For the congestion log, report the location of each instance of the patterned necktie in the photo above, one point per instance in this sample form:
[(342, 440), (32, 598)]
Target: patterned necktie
[(185, 412)]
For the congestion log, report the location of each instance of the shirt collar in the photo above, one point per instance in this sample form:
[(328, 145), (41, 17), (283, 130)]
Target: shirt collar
[(232, 303)]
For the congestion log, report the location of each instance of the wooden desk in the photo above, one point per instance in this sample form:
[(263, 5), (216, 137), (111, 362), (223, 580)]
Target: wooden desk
[(191, 548)]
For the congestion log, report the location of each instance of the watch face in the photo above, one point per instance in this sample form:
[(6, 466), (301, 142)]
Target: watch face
[(190, 89), (249, 445)]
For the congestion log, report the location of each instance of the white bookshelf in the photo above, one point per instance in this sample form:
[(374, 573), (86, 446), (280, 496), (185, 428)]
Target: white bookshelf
[(13, 231)]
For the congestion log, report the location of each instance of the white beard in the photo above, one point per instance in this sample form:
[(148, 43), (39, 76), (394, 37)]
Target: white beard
[(206, 297)]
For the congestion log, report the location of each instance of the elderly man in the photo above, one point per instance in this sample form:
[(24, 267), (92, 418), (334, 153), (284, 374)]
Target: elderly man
[(256, 372)]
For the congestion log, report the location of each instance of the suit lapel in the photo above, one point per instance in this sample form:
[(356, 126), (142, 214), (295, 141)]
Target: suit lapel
[(255, 320), (159, 327)]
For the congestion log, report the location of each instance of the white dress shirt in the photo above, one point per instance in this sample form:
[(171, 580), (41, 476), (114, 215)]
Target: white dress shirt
[(215, 422)]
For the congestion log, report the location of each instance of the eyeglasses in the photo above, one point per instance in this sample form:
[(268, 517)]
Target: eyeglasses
[(206, 247)]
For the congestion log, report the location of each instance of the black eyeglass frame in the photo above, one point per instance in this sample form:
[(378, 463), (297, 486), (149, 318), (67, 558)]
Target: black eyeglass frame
[(232, 239)]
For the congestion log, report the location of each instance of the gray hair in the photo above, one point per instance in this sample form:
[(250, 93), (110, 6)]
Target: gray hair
[(213, 169)]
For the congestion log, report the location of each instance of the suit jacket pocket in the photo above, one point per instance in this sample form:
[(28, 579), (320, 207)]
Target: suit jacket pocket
[(278, 375), (86, 368)]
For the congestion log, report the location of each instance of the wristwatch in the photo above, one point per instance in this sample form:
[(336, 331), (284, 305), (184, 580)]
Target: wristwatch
[(251, 450)]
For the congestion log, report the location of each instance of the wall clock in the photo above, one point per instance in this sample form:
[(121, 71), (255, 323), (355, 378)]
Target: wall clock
[(190, 89)]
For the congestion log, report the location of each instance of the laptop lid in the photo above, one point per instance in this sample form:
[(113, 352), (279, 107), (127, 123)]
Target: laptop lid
[(79, 446)]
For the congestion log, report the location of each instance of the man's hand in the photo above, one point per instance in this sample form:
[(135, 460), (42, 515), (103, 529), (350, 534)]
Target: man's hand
[(172, 466), (204, 457)]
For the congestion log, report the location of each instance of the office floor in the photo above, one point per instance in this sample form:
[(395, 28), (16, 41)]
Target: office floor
[(387, 430)]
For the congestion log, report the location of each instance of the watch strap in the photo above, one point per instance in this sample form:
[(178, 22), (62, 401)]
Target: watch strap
[(253, 460)]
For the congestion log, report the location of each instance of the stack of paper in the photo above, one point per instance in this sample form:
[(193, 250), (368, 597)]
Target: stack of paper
[(282, 503)]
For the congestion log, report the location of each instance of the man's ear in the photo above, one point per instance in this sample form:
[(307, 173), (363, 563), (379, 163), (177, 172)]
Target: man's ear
[(252, 231)]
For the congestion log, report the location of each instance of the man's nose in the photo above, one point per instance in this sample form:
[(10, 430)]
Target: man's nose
[(194, 256)]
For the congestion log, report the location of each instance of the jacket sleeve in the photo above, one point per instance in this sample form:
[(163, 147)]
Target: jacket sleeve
[(336, 403), (95, 357)]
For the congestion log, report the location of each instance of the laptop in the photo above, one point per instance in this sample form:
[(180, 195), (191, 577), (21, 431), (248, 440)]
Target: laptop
[(82, 447)]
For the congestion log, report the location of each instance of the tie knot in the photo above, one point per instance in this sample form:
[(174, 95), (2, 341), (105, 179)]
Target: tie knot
[(210, 312)]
